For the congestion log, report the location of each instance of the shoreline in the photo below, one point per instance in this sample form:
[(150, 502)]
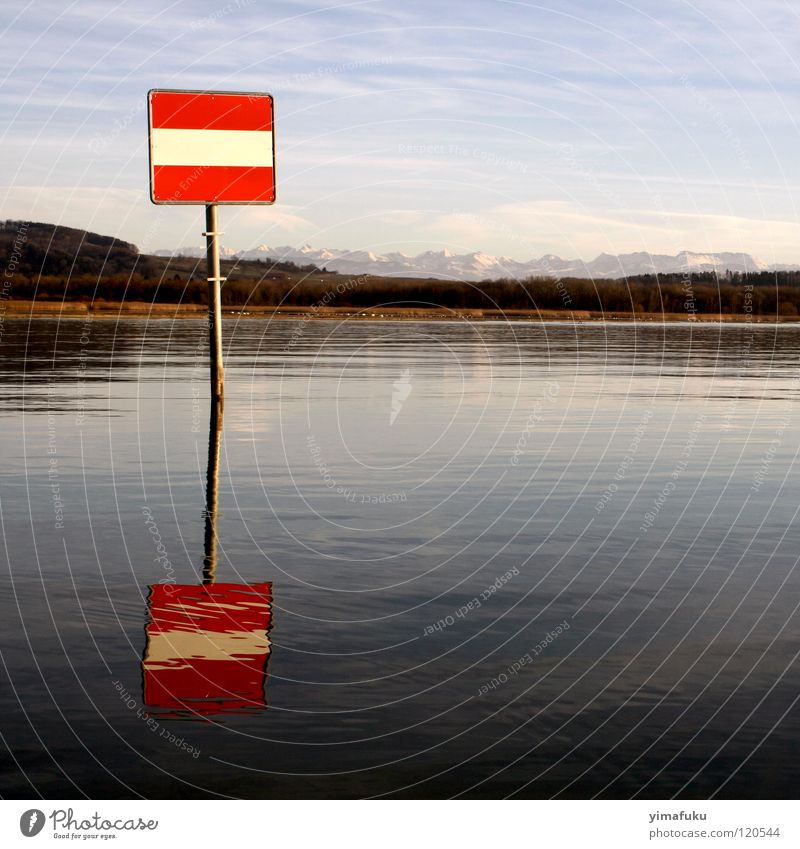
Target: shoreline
[(139, 309)]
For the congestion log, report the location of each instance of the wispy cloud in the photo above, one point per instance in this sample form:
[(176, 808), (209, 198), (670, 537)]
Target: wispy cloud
[(681, 118), (531, 229)]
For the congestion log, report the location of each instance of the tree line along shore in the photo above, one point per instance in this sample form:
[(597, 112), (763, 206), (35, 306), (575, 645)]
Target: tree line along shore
[(56, 267)]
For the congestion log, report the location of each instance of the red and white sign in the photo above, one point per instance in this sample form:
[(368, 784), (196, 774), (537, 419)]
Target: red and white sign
[(211, 147)]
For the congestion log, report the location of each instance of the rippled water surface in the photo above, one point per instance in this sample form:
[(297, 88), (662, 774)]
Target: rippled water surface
[(453, 559)]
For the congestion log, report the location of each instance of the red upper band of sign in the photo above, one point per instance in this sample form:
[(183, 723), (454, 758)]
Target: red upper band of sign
[(197, 111)]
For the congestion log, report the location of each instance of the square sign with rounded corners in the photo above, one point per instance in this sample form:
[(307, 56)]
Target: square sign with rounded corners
[(211, 147)]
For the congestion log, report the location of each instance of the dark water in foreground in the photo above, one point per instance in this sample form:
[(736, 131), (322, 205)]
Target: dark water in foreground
[(621, 501)]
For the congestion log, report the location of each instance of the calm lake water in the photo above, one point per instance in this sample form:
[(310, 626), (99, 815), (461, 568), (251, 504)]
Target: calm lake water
[(476, 560)]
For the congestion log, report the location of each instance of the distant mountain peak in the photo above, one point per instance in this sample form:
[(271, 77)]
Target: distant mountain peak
[(478, 265)]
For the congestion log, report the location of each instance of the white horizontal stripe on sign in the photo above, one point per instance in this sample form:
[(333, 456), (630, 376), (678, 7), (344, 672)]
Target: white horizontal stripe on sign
[(165, 646), (249, 148)]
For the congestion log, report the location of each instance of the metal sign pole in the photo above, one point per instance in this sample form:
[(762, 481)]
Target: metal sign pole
[(212, 235)]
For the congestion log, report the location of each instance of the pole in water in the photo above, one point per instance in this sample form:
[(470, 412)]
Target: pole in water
[(212, 493), (215, 280)]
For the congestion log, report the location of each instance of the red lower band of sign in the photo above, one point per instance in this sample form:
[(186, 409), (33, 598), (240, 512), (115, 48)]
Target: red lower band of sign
[(209, 607), (208, 687), (213, 183)]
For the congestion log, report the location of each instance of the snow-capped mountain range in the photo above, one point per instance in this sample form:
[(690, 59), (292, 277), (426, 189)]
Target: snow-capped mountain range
[(480, 266)]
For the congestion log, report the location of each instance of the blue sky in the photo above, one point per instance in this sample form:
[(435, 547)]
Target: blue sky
[(515, 128)]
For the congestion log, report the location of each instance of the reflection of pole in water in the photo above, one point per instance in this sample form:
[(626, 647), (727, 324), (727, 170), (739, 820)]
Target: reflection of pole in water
[(212, 492), (208, 646)]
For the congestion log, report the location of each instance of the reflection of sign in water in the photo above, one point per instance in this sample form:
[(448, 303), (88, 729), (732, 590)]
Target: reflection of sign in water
[(207, 647)]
